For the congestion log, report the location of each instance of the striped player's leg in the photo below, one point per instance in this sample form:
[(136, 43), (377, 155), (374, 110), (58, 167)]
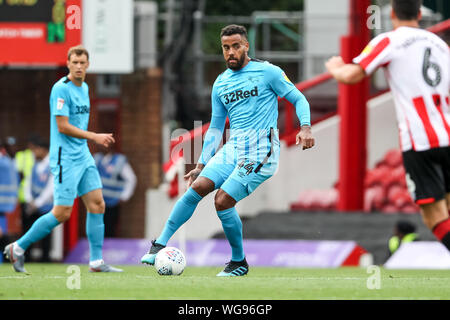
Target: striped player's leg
[(428, 180), (436, 218)]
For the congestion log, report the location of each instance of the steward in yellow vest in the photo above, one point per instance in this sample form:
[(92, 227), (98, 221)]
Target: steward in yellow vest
[(404, 232)]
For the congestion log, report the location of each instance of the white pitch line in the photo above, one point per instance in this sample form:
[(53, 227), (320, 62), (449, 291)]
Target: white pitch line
[(28, 276)]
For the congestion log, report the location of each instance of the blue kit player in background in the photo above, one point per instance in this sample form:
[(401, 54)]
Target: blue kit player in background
[(247, 93), (72, 166)]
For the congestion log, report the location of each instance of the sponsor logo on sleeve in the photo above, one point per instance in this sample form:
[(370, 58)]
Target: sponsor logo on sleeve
[(60, 104), (286, 77), (367, 50)]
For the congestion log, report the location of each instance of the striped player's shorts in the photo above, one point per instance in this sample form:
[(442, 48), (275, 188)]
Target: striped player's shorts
[(427, 174)]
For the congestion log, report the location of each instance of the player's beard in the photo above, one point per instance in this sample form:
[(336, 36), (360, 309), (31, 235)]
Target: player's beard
[(238, 65)]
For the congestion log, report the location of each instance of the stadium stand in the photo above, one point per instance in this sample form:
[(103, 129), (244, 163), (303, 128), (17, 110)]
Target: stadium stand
[(385, 190)]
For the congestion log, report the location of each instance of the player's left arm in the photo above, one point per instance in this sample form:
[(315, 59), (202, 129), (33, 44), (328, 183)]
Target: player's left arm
[(304, 136), (283, 87)]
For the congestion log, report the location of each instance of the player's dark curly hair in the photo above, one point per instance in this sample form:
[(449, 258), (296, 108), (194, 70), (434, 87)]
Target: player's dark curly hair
[(406, 9), (233, 29)]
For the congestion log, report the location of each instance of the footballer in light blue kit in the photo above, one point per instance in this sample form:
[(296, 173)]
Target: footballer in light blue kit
[(72, 166), (71, 162), (247, 94)]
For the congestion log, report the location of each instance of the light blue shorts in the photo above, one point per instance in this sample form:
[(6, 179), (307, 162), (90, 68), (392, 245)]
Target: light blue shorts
[(238, 175), (74, 179)]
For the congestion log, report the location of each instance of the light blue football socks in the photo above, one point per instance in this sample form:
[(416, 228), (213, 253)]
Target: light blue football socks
[(181, 212), (95, 231), (232, 226), (39, 230)]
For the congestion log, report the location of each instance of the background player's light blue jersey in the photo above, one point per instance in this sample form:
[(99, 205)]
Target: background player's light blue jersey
[(66, 99)]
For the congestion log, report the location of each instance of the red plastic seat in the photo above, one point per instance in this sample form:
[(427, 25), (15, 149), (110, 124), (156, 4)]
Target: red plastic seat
[(374, 198), (326, 199), (401, 199), (393, 158), (305, 200), (393, 191), (377, 176)]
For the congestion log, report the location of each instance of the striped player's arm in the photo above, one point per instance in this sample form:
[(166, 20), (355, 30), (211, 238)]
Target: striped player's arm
[(347, 73), (378, 53)]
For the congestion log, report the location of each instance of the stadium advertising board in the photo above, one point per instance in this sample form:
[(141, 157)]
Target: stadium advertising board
[(38, 32), (108, 35)]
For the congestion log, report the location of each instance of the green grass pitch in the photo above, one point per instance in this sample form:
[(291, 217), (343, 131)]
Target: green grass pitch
[(53, 282)]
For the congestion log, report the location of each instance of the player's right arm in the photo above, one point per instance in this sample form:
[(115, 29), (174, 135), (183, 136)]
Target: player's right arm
[(213, 136), (345, 73), (64, 127), (376, 54)]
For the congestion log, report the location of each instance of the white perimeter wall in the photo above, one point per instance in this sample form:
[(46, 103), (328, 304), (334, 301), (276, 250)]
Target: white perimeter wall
[(298, 170)]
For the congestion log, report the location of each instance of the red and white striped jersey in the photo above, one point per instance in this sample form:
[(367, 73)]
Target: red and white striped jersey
[(417, 65)]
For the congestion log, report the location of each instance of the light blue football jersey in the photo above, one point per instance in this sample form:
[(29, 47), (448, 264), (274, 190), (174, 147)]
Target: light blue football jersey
[(249, 97), (67, 99)]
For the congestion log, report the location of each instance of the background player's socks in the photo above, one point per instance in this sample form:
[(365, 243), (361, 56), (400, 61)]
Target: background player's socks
[(442, 232), (40, 228), (181, 212), (95, 231), (232, 226)]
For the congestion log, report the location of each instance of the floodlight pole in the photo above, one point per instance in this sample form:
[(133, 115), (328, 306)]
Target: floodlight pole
[(352, 101)]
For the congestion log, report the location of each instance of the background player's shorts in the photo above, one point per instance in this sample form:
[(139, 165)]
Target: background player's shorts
[(427, 174), (73, 179), (239, 176)]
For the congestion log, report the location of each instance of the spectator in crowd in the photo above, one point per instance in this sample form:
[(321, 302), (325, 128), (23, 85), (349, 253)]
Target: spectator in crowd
[(39, 194), (4, 239), (404, 231), (9, 185), (10, 146), (24, 163), (119, 182)]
